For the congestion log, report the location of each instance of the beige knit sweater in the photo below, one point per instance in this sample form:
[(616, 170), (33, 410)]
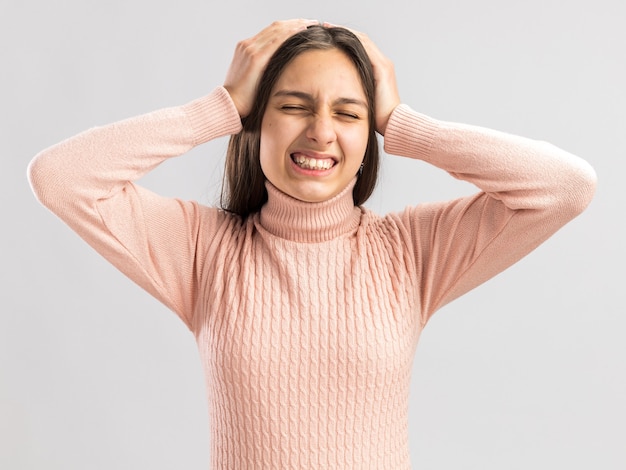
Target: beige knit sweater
[(307, 315)]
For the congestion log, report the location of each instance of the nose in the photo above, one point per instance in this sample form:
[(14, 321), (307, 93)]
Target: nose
[(321, 129)]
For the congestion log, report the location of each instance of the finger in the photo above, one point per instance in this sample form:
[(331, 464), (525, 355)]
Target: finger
[(271, 37), (251, 57), (374, 53), (286, 28)]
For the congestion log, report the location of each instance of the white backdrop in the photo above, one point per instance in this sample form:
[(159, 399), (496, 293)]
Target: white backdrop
[(527, 371)]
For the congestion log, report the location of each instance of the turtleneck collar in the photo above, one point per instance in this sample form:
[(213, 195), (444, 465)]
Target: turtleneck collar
[(309, 222)]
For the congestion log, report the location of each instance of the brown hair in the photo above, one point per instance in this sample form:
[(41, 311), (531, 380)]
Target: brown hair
[(244, 191)]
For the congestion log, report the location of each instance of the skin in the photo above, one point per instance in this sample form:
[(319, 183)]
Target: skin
[(317, 112), (317, 121), (250, 57)]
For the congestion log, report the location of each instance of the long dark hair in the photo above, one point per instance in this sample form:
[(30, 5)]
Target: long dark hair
[(244, 191)]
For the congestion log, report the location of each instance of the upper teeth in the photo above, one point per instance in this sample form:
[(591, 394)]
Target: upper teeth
[(313, 163)]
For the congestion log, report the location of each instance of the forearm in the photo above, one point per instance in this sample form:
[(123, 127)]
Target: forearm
[(97, 163), (520, 172)]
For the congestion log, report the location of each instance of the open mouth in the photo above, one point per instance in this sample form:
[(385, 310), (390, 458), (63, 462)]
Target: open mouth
[(308, 163)]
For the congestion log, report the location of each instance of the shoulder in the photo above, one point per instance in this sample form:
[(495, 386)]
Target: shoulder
[(220, 222), (221, 233), (406, 229), (394, 220), (394, 227)]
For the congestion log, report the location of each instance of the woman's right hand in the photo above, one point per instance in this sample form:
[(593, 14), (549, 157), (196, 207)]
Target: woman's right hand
[(251, 57)]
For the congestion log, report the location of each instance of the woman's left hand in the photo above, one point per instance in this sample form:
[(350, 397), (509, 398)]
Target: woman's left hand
[(387, 95)]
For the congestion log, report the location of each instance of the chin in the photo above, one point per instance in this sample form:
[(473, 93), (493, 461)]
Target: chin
[(312, 194)]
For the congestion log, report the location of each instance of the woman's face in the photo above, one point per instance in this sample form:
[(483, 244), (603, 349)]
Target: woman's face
[(315, 127)]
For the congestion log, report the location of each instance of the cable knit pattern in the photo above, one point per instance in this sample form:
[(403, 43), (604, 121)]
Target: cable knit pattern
[(307, 316)]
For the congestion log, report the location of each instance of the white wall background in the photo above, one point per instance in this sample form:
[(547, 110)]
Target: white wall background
[(528, 371)]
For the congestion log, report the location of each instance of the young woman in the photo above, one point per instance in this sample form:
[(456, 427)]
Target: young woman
[(306, 307)]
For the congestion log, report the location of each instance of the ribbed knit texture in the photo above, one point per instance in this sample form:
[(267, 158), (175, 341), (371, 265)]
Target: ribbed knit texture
[(314, 353), (307, 316)]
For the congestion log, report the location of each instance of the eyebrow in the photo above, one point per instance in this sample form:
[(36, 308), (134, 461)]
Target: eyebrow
[(307, 97)]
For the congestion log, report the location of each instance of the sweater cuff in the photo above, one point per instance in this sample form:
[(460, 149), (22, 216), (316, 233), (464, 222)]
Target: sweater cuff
[(409, 133), (213, 116)]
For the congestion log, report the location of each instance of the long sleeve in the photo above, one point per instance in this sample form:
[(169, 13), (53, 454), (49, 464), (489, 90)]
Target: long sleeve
[(87, 181), (529, 189)]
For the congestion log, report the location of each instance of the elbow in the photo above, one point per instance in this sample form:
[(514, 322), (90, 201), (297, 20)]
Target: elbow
[(587, 184), (580, 189), (36, 178), (44, 181)]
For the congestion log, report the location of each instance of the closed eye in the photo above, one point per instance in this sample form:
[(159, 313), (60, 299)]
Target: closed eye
[(300, 109), (349, 115), (292, 107)]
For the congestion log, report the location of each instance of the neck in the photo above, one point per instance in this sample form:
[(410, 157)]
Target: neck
[(309, 222)]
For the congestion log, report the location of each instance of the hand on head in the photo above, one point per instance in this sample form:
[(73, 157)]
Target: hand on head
[(252, 54), (387, 95)]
